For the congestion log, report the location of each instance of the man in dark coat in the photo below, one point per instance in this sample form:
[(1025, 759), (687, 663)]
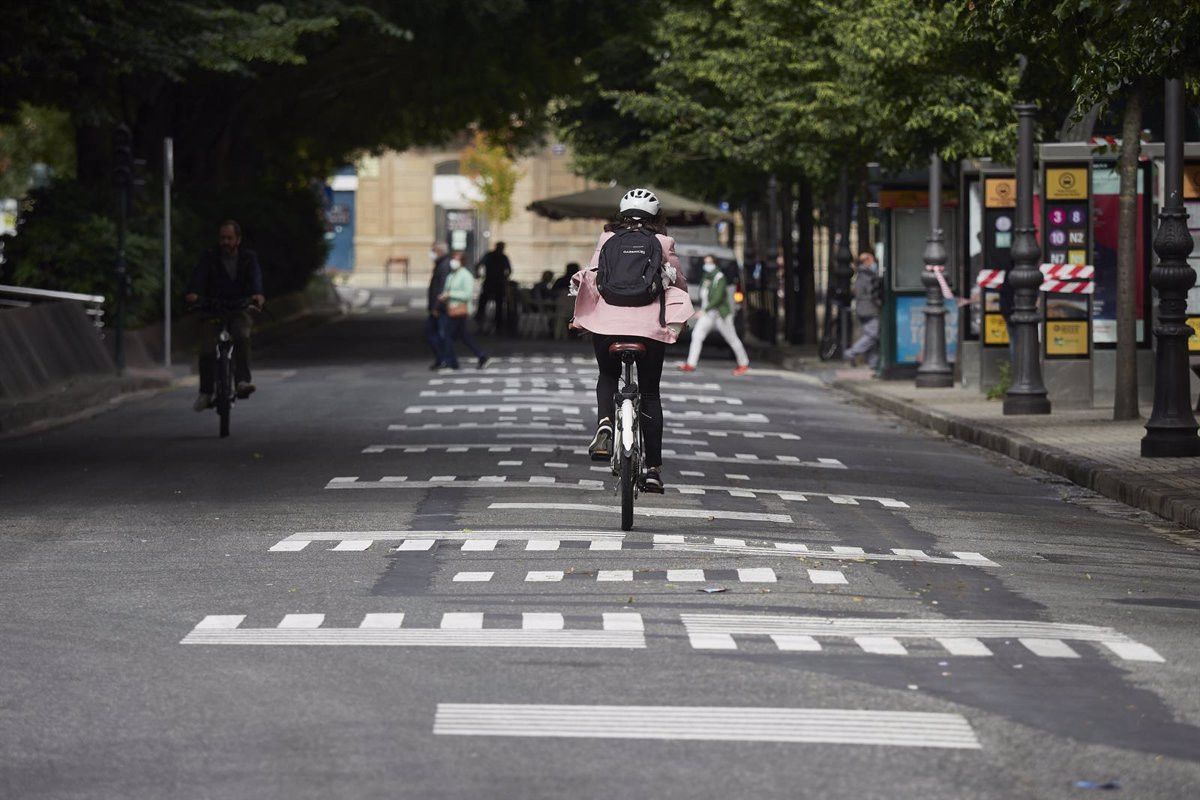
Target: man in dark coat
[(496, 270), (437, 281), (226, 272)]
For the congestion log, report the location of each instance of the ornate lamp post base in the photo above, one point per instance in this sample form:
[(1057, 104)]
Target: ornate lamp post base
[(1171, 431)]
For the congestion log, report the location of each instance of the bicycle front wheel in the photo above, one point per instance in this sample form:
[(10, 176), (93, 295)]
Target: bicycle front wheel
[(224, 398), (628, 483)]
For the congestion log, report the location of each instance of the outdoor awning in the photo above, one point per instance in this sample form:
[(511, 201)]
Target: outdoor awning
[(602, 203)]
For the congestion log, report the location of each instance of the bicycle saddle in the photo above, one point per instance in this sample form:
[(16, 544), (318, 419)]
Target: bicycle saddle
[(626, 347)]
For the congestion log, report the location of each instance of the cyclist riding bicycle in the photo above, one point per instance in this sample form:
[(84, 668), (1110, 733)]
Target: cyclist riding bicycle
[(632, 291), (225, 273)]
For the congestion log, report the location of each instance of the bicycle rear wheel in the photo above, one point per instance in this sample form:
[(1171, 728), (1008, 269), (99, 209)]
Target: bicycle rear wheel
[(628, 484)]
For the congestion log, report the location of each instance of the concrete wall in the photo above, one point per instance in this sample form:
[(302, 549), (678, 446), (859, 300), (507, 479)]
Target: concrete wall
[(45, 344)]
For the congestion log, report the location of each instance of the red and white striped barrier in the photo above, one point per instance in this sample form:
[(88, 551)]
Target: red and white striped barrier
[(1069, 287), (990, 278), (1068, 272), (1068, 278)]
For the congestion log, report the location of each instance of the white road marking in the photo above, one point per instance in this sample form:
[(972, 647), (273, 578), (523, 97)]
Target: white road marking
[(483, 482), (555, 465), (561, 383), (647, 511), (756, 575), (734, 476), (688, 473), (881, 645), (486, 426), (458, 629), (352, 546), (473, 577), (571, 395), (558, 437), (685, 575), (799, 496), (709, 723), (793, 643), (620, 575), (479, 545), (713, 416), (964, 646), (288, 546), (1048, 648), (1041, 638), (542, 544), (543, 576), (541, 621), (827, 576), (540, 408), (509, 463)]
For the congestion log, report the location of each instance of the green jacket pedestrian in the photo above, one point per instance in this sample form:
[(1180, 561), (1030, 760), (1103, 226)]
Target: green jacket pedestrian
[(715, 312)]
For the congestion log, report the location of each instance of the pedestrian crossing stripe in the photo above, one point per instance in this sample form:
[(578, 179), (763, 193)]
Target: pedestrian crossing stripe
[(740, 547), (566, 383), (549, 407), (486, 540), (711, 515), (883, 636), (535, 359), (707, 456), (488, 426), (534, 394), (503, 408), (482, 482), (739, 575), (622, 630), (550, 481), (709, 723)]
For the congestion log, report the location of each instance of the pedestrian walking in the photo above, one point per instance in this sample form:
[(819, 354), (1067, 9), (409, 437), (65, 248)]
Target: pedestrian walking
[(868, 299), (715, 312), (627, 249), (496, 271), (457, 296), (436, 308)]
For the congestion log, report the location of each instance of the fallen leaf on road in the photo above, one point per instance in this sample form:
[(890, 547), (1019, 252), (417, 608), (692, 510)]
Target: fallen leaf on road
[(711, 589)]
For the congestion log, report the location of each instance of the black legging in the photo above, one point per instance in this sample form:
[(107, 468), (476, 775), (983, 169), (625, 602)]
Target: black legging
[(649, 375)]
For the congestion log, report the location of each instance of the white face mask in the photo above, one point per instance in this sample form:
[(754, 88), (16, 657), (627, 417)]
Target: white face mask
[(433, 256), (709, 266), (455, 263)]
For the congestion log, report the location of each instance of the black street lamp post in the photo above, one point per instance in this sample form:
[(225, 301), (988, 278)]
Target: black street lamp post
[(1027, 394), (843, 257), (935, 370), (1171, 430)]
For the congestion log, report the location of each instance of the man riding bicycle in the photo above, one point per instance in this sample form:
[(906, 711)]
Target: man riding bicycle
[(227, 272), (614, 318)]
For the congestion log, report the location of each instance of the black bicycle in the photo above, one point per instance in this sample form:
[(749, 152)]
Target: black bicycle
[(224, 386), (627, 430)]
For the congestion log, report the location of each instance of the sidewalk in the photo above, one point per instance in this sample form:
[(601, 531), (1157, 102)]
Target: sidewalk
[(1084, 446)]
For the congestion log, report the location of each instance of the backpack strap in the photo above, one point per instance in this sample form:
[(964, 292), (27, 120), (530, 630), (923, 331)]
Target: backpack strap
[(662, 308)]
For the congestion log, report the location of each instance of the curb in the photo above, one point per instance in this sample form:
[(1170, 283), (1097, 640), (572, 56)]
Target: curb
[(1147, 495)]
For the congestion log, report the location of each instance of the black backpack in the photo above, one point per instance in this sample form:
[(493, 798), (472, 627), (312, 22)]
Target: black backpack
[(629, 270)]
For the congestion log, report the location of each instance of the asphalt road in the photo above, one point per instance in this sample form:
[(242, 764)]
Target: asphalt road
[(391, 583)]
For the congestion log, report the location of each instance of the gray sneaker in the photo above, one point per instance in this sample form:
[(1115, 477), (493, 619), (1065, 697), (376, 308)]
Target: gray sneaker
[(203, 402), (601, 447)]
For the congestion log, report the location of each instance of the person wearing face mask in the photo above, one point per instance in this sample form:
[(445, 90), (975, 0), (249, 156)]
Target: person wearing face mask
[(457, 296), (715, 312)]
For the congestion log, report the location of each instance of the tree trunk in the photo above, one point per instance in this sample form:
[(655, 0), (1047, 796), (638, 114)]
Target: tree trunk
[(1126, 396), (806, 298), (787, 250)]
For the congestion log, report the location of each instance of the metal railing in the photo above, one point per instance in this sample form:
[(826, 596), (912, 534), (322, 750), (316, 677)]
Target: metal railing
[(23, 296)]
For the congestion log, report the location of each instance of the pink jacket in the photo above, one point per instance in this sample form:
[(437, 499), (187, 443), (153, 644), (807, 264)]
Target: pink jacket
[(597, 316)]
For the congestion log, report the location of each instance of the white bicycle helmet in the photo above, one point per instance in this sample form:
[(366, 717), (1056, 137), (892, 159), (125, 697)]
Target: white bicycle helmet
[(642, 200)]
